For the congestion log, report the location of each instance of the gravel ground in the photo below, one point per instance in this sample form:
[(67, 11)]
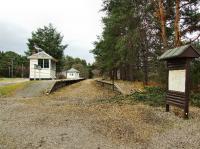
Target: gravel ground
[(73, 118), (35, 88)]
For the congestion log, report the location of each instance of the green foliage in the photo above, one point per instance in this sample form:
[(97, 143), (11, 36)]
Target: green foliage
[(9, 90), (82, 68), (77, 63), (131, 39), (6, 59), (195, 99), (128, 39), (191, 15), (153, 96), (49, 40), (195, 73)]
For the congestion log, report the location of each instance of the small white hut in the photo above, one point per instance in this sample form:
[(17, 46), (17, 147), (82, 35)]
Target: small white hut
[(42, 66), (72, 74)]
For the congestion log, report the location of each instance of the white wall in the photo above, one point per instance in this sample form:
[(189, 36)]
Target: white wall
[(52, 65), (74, 75), (44, 73)]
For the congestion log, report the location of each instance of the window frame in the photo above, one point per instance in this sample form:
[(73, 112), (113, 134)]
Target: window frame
[(45, 66), (41, 63)]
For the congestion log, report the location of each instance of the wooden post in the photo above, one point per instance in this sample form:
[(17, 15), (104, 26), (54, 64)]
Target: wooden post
[(167, 105), (167, 108), (187, 89)]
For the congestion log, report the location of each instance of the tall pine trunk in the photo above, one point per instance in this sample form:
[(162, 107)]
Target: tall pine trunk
[(177, 25), (163, 23)]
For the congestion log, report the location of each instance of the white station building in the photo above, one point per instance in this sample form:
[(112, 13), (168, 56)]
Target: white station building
[(73, 74), (42, 66)]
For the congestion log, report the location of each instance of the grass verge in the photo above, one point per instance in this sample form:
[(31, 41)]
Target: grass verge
[(9, 90)]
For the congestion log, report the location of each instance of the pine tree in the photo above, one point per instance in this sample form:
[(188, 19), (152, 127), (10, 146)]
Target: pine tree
[(49, 40)]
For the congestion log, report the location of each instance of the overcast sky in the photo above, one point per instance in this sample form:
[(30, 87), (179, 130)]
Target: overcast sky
[(78, 20)]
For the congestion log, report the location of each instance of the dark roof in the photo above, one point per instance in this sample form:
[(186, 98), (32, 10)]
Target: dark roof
[(186, 51)]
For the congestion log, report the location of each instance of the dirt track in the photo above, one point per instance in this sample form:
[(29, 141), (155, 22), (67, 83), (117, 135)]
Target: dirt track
[(35, 89), (50, 122), (72, 118)]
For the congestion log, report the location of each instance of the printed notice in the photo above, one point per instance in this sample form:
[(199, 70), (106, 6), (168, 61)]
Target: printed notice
[(177, 80)]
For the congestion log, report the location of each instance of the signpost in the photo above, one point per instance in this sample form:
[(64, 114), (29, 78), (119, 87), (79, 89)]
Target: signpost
[(178, 65)]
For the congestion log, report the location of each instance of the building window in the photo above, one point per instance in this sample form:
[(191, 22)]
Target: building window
[(40, 63), (43, 63), (46, 63)]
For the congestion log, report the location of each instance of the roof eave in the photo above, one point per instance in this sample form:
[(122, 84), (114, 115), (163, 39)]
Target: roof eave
[(163, 57)]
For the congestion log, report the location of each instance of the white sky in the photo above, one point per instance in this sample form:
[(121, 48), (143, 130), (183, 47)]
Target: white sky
[(78, 20)]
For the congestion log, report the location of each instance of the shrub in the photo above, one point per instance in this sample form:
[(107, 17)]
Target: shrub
[(60, 76), (154, 96), (195, 99)]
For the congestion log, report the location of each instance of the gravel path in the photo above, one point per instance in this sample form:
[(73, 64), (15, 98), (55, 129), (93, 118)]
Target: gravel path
[(35, 88), (74, 118), (48, 122)]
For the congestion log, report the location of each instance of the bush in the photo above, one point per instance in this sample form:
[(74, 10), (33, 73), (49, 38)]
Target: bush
[(195, 99), (154, 96), (60, 76)]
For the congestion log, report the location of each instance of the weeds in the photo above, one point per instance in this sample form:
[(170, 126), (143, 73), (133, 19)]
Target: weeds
[(9, 90), (153, 96), (195, 99)]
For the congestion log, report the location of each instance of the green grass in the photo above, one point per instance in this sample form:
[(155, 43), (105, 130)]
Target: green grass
[(1, 79), (195, 99), (9, 90)]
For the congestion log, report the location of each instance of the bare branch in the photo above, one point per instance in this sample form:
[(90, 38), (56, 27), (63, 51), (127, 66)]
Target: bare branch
[(196, 38)]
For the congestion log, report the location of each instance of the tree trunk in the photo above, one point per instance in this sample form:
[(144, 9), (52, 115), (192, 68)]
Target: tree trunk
[(163, 23), (177, 25), (131, 73), (146, 72), (145, 62)]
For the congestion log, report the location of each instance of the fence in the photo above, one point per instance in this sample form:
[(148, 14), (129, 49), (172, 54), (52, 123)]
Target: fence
[(110, 86)]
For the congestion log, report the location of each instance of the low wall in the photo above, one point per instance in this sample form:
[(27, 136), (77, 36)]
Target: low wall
[(109, 85), (62, 83)]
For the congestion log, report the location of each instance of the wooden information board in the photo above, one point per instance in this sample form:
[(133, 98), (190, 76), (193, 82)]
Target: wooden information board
[(176, 80), (178, 65)]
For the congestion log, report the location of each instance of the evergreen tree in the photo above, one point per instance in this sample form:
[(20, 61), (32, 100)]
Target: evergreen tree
[(49, 40), (137, 32)]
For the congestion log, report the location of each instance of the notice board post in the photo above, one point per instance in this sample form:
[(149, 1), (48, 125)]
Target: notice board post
[(178, 87)]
